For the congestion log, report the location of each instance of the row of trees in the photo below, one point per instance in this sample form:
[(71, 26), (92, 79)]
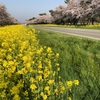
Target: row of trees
[(5, 17), (73, 12)]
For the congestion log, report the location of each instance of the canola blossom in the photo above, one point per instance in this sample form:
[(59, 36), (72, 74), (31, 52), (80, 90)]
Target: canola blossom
[(28, 71)]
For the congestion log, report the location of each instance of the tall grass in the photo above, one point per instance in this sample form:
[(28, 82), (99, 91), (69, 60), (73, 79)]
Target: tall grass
[(79, 59)]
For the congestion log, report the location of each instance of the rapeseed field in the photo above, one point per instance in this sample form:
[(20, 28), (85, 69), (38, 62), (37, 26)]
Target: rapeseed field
[(29, 71)]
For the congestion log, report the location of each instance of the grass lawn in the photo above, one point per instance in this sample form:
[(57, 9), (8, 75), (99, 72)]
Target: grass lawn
[(79, 59)]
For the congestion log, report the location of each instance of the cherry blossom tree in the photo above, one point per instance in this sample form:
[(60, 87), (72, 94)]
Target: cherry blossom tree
[(73, 12), (66, 14), (5, 17), (90, 10), (83, 11), (41, 19), (58, 15)]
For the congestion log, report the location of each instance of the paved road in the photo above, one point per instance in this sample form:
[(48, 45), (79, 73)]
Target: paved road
[(94, 34)]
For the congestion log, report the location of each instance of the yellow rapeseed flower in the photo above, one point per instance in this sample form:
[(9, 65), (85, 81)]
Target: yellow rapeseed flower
[(9, 57), (44, 96), (49, 50), (50, 81), (57, 55), (58, 69), (62, 88), (69, 83), (25, 58), (26, 93), (40, 66), (57, 64), (69, 98), (56, 91), (33, 86), (16, 97), (47, 88), (5, 63), (76, 82), (27, 65), (14, 90), (40, 78), (32, 80)]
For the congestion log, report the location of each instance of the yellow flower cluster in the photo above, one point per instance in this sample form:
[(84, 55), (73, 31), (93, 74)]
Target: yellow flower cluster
[(27, 70), (73, 26), (70, 83)]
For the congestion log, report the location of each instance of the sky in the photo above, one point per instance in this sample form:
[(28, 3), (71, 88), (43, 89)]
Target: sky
[(25, 9)]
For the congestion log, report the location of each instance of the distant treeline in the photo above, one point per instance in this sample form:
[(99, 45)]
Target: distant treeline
[(73, 12)]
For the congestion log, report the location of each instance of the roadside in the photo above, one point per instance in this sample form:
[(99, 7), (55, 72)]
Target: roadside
[(95, 26), (94, 34)]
